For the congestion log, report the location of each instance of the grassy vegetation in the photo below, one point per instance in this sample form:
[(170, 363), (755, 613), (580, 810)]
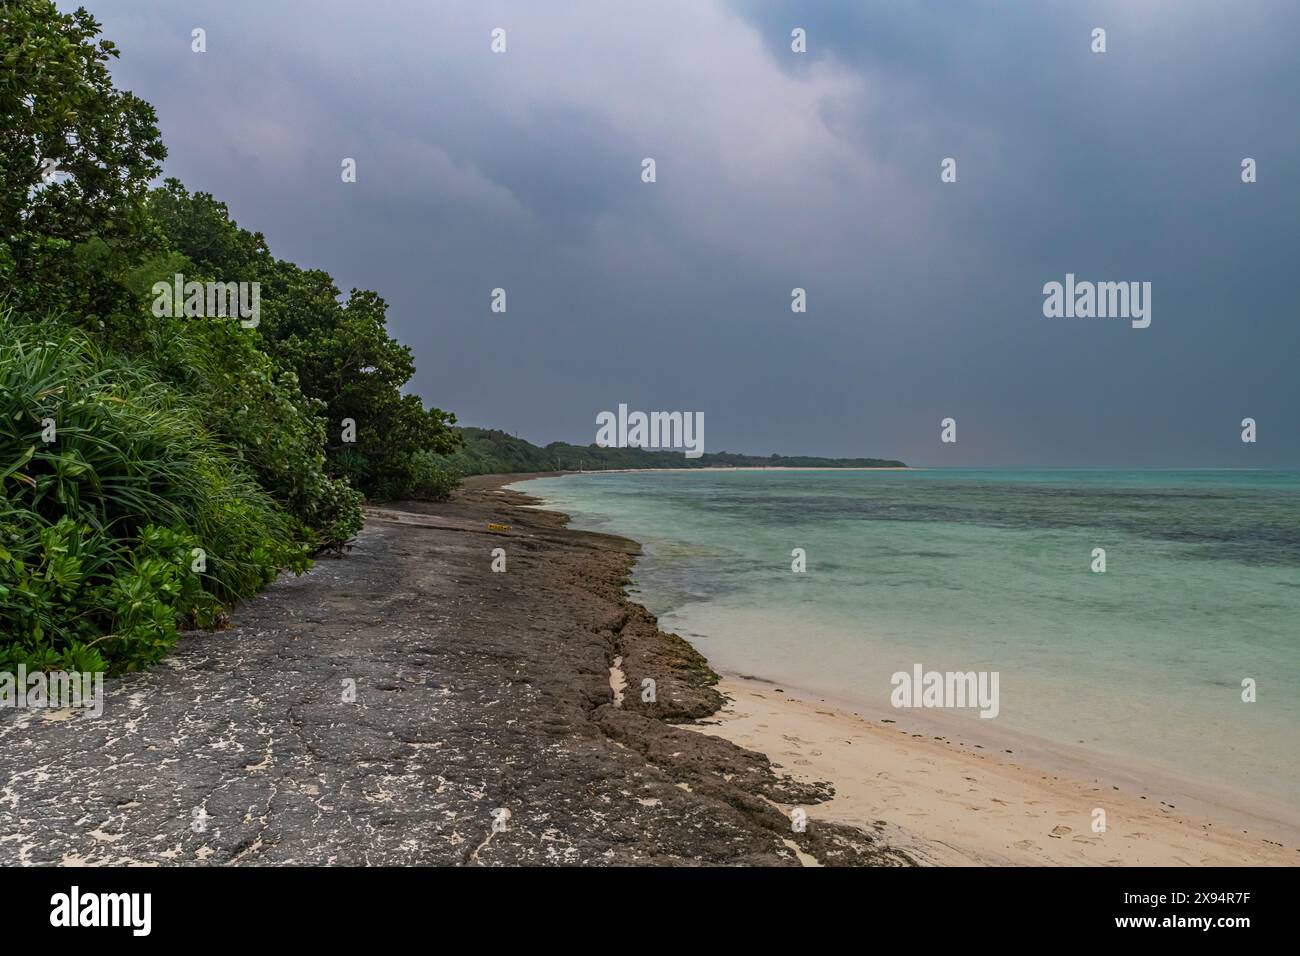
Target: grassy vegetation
[(122, 519)]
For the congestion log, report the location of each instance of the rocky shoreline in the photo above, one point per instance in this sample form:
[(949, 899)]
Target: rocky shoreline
[(498, 719)]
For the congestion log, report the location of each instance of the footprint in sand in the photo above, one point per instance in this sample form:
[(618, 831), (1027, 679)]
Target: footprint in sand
[(1026, 845), (1059, 832)]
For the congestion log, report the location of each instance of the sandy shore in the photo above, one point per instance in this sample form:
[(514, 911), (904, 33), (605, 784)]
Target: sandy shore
[(948, 806), (946, 801)]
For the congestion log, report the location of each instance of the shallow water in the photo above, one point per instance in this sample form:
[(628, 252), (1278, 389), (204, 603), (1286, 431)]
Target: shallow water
[(991, 571)]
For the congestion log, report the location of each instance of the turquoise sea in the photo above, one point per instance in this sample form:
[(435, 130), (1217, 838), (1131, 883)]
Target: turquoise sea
[(992, 570)]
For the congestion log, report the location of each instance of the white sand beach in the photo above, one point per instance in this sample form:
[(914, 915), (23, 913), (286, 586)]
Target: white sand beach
[(948, 802)]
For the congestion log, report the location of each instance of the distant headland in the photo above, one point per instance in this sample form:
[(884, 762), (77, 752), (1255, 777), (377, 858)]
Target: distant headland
[(490, 451)]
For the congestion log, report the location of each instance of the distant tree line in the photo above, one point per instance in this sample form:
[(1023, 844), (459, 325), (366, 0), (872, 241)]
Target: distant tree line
[(491, 452)]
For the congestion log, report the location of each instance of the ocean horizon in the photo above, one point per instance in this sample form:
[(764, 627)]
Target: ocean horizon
[(995, 570)]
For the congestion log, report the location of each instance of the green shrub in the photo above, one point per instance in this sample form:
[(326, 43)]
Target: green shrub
[(433, 481), (337, 347), (419, 476), (257, 410), (121, 519)]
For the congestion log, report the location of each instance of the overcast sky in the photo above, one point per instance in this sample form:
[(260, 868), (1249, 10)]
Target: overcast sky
[(778, 170)]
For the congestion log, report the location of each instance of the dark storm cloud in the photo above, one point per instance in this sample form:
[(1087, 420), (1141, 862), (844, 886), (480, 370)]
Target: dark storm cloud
[(522, 170)]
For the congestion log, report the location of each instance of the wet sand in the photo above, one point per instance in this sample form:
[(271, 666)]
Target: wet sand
[(948, 805)]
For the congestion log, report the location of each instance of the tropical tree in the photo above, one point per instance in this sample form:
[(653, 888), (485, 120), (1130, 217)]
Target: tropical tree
[(76, 156)]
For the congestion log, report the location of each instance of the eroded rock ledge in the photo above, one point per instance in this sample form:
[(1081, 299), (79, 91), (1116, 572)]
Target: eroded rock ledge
[(476, 692)]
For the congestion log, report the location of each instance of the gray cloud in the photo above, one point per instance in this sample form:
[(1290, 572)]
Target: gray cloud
[(523, 171)]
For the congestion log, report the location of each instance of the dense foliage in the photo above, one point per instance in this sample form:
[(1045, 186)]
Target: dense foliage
[(339, 351), (120, 517), (493, 452), (157, 465)]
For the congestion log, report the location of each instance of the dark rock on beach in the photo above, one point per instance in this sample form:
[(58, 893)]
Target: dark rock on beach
[(484, 730)]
